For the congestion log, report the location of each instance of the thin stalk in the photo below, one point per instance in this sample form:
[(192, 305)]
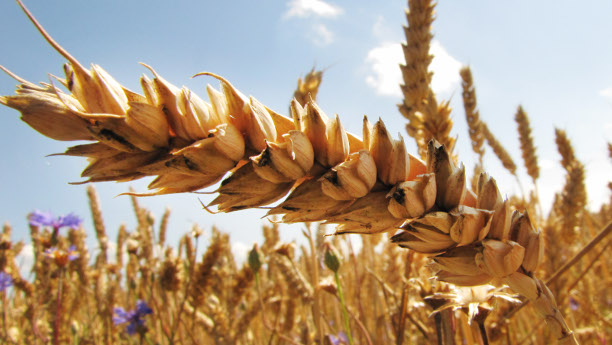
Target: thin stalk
[(316, 306), (344, 311), (273, 330), (4, 311), (539, 203), (483, 333), (602, 234), (589, 266), (438, 322), (185, 295), (58, 310)]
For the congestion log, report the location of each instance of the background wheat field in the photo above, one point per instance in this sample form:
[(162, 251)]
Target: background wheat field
[(531, 110)]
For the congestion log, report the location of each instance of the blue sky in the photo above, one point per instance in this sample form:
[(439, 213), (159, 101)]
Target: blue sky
[(553, 57)]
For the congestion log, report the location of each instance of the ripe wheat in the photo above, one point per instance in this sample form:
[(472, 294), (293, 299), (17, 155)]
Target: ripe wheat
[(365, 186)]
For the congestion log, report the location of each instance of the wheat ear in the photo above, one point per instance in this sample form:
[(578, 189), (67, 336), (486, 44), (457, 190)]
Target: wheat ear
[(499, 150), (98, 220), (308, 87), (573, 197), (471, 112), (527, 147), (426, 118), (364, 186)]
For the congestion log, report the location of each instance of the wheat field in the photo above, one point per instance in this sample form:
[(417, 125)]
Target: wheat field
[(444, 258)]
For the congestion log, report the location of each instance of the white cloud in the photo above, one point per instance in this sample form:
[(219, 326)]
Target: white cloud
[(306, 8), (384, 61), (607, 93), (240, 252), (608, 129), (381, 29), (445, 68), (25, 259), (321, 36), (548, 164)]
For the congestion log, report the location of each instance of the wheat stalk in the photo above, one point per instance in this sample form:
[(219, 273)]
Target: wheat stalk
[(499, 150), (364, 186)]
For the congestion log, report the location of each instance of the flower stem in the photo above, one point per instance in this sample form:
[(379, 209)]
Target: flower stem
[(4, 312), (344, 311), (58, 310), (483, 333)]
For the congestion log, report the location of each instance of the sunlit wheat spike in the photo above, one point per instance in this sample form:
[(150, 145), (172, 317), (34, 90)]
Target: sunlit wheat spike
[(415, 71), (163, 227), (426, 118), (471, 112), (308, 87), (499, 150), (528, 149), (565, 148), (574, 196), (96, 213)]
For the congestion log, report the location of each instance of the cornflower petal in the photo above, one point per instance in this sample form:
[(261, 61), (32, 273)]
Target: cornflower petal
[(131, 328), (70, 220), (142, 308), (39, 218), (134, 318), (5, 281), (121, 316), (72, 253)]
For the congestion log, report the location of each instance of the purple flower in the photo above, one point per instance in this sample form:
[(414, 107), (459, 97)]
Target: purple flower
[(134, 318), (5, 281), (574, 305), (38, 218), (341, 338), (62, 257)]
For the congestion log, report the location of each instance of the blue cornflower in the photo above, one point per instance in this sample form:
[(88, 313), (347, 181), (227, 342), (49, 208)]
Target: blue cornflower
[(62, 257), (134, 318), (341, 338), (5, 281), (39, 218), (574, 305)]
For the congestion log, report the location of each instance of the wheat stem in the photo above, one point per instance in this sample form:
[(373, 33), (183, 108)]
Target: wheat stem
[(347, 325)]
